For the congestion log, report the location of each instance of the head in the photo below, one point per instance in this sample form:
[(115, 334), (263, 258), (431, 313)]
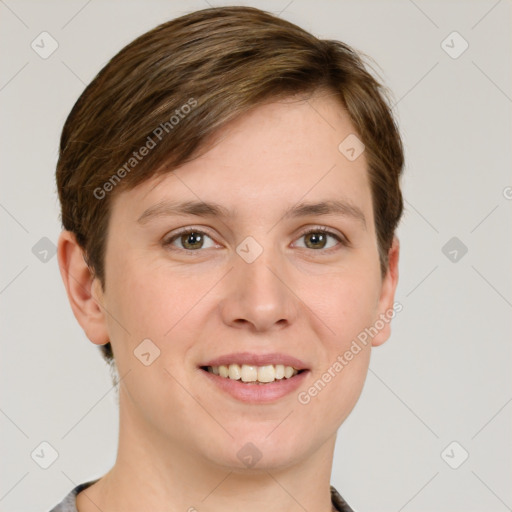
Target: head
[(236, 107)]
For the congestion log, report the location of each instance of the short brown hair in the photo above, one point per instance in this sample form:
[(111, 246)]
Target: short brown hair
[(192, 75)]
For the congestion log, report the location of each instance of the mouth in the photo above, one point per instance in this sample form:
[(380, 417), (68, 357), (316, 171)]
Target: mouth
[(254, 375), (255, 378)]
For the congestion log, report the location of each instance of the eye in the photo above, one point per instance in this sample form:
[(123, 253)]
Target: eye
[(317, 238), (190, 239)]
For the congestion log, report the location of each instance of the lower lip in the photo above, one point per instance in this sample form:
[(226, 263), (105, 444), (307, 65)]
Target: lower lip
[(257, 393)]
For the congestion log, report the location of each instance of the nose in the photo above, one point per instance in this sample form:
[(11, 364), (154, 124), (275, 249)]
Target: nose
[(259, 295)]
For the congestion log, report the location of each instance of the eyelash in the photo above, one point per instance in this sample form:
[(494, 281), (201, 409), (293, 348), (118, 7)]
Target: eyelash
[(321, 229)]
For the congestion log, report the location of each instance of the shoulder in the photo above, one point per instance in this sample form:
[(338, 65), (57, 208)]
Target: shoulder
[(68, 504), (339, 504)]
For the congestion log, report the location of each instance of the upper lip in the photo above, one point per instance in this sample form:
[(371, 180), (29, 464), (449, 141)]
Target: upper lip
[(250, 358)]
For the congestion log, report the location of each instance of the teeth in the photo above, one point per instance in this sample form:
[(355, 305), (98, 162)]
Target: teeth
[(288, 372), (251, 373), (234, 372), (266, 373), (279, 371)]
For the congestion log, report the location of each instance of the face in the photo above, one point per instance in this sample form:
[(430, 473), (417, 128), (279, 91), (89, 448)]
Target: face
[(259, 282)]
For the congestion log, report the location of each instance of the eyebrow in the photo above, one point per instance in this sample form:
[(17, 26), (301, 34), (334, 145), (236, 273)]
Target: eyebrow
[(210, 209)]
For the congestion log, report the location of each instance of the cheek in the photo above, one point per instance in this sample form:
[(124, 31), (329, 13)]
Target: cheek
[(145, 306), (139, 303), (152, 302), (346, 302), (347, 307)]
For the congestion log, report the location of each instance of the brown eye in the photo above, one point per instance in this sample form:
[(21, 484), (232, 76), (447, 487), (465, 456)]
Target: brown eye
[(318, 238), (190, 240)]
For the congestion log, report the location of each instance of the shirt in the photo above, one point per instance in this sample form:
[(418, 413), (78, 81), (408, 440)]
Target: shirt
[(68, 504)]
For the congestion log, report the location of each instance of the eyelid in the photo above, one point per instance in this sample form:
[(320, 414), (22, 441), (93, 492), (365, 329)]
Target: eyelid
[(171, 237), (341, 238)]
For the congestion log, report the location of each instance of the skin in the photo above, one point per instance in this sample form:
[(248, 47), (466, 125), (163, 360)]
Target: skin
[(179, 434)]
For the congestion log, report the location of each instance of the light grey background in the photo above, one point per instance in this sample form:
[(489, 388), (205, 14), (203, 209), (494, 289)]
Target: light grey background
[(444, 376)]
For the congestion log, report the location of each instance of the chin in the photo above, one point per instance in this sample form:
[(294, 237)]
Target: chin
[(255, 450)]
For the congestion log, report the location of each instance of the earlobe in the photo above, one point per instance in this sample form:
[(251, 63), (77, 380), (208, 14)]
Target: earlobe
[(386, 301), (82, 288)]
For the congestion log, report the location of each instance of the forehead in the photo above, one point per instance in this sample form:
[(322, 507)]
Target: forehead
[(280, 153)]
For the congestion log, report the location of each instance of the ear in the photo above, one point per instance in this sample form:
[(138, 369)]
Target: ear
[(385, 309), (84, 291)]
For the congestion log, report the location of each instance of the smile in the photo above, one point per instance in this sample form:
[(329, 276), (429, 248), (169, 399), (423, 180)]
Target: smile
[(252, 373), (254, 391)]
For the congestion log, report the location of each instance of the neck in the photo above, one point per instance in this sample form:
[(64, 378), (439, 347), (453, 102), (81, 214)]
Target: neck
[(152, 473)]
